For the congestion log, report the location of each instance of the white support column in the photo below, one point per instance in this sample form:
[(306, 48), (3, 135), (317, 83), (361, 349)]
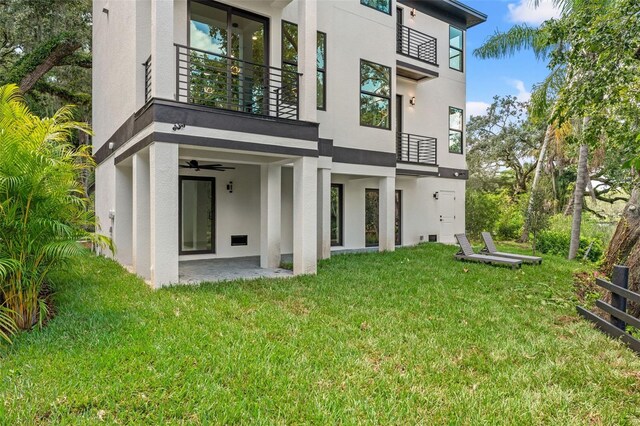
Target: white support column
[(387, 214), (163, 52), (163, 166), (141, 238), (307, 58), (270, 217), (324, 213), (305, 226), (123, 214)]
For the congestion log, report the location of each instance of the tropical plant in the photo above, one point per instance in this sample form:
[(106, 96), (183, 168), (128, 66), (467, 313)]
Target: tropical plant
[(44, 212)]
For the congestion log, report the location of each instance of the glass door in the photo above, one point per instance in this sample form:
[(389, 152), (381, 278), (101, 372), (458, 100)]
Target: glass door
[(197, 215), (228, 57), (371, 217)]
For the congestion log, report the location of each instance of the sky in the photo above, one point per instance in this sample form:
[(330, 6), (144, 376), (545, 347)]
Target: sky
[(511, 76)]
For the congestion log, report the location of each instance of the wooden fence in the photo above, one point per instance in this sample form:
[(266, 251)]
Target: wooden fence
[(616, 326)]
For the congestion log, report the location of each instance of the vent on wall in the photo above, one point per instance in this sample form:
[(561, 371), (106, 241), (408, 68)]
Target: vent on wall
[(239, 240), (433, 238)]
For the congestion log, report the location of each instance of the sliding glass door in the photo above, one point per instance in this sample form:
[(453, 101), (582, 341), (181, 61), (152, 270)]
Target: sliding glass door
[(197, 215)]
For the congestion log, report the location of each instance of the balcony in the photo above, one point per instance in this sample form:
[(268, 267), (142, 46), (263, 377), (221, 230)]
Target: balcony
[(416, 149), (417, 45), (224, 82)]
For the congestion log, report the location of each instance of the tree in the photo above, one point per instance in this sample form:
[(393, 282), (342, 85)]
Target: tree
[(504, 139), (581, 183), (43, 210)]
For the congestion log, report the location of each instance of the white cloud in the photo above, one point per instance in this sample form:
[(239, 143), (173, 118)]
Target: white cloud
[(202, 40), (523, 94), (476, 108), (524, 12)]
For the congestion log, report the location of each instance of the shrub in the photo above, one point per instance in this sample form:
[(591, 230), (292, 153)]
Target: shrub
[(43, 207), (510, 222), (557, 242), (481, 210)]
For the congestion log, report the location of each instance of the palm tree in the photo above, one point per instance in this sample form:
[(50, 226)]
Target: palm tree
[(44, 211)]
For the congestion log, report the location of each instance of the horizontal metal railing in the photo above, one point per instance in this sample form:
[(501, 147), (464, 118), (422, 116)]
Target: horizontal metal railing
[(218, 81), (417, 45), (147, 79), (416, 149)]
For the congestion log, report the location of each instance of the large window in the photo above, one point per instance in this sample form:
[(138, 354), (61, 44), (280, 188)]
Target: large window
[(337, 210), (381, 5), (371, 217), (290, 58), (455, 130), (455, 48), (375, 95)]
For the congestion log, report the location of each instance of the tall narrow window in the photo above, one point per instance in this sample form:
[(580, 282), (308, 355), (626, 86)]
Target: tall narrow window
[(455, 48), (455, 130), (371, 217), (381, 5), (290, 58), (322, 71), (375, 95), (337, 209), (197, 215)]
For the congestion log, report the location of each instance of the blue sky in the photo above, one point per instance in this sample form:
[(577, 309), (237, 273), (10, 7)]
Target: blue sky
[(511, 76)]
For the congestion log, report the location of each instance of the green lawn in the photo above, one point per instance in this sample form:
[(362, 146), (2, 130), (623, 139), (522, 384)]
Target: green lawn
[(397, 338)]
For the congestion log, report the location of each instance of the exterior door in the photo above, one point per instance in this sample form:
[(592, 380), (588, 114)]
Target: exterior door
[(197, 215), (398, 230), (371, 217), (447, 212)]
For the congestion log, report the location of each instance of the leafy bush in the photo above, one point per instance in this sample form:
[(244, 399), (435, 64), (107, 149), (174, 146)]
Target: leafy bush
[(482, 210), (510, 221), (43, 207), (557, 242)]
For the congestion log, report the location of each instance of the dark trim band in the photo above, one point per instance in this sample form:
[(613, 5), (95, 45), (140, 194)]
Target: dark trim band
[(416, 68), (325, 147), (361, 156)]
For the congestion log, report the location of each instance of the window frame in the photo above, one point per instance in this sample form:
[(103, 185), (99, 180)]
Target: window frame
[(461, 130), (213, 218), (340, 240), (322, 107), (284, 62), (361, 92), (362, 2), (459, 49)]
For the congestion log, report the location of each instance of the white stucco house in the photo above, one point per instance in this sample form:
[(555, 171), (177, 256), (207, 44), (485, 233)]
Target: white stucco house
[(228, 129)]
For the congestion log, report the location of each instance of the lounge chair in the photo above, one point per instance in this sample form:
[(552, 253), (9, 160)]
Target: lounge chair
[(491, 250), (466, 253)]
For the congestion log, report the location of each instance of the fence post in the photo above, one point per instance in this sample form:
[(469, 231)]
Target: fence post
[(620, 277)]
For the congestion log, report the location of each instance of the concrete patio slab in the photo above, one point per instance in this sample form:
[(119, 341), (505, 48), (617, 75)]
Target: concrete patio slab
[(217, 270)]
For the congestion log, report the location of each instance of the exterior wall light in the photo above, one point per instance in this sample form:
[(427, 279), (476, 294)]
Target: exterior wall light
[(230, 187), (110, 146), (435, 195), (412, 101), (413, 12)]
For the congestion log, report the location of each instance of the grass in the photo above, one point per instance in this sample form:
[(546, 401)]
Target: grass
[(396, 338)]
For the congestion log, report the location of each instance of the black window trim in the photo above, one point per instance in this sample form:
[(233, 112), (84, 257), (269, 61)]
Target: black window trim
[(377, 95), (211, 179), (461, 50), (291, 63), (340, 241), (324, 75), (375, 8), (461, 130)]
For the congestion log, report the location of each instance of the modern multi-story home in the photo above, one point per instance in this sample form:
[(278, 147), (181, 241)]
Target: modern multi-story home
[(234, 128)]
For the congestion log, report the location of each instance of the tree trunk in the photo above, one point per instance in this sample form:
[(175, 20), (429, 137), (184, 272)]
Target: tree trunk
[(56, 56), (578, 200), (534, 185), (624, 248)]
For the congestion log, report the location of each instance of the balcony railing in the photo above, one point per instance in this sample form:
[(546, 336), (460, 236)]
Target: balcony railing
[(213, 80), (417, 45), (416, 149), (147, 79)]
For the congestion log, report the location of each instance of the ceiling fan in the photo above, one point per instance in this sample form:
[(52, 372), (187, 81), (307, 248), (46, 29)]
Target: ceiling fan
[(193, 164)]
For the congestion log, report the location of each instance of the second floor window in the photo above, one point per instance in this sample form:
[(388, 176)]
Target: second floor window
[(290, 58), (381, 5), (455, 48), (375, 95), (455, 130)]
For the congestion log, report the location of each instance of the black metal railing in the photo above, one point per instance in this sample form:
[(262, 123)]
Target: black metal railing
[(213, 80), (416, 149), (417, 45), (147, 79)]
